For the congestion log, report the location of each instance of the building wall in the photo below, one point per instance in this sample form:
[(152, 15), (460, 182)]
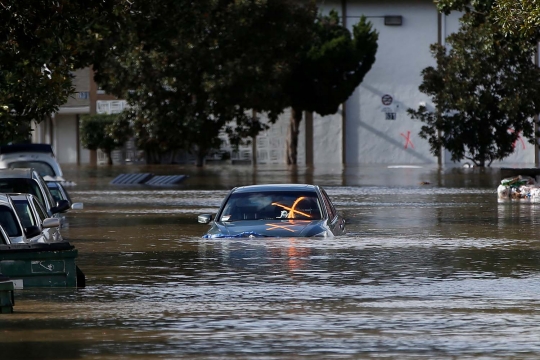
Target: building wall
[(371, 135), (66, 138)]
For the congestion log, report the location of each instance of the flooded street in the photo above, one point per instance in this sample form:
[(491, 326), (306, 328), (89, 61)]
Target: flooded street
[(432, 267)]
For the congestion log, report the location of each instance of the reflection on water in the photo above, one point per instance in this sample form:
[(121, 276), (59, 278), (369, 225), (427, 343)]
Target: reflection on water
[(432, 266)]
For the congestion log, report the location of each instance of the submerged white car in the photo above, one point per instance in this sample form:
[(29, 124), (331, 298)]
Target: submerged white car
[(37, 156), (32, 214), (19, 232)]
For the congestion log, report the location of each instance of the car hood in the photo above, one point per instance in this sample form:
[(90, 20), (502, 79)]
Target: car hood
[(266, 228)]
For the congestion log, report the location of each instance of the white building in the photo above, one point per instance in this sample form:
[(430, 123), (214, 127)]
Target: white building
[(373, 126)]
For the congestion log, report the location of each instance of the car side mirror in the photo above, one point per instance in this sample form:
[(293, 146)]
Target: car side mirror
[(51, 223), (204, 218), (32, 231), (77, 206), (61, 206)]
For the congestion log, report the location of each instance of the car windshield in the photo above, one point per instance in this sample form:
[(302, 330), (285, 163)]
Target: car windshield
[(15, 185), (41, 167), (272, 205), (9, 222)]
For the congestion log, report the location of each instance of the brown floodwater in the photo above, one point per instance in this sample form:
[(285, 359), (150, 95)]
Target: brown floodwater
[(433, 266)]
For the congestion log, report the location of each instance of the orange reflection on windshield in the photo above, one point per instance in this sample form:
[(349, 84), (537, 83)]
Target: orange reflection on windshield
[(278, 226), (292, 209), (289, 226)]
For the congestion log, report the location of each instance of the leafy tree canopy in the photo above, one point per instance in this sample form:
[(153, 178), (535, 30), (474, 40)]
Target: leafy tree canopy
[(105, 132), (41, 42), (329, 70), (486, 90), (515, 17), (193, 69)]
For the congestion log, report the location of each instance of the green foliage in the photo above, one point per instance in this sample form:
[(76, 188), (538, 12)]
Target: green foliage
[(41, 42), (104, 132), (190, 69), (486, 90), (333, 66), (329, 70), (517, 18)]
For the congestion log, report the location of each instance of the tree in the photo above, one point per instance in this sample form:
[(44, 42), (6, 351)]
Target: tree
[(105, 132), (191, 70), (41, 42), (486, 90), (519, 18), (329, 71)]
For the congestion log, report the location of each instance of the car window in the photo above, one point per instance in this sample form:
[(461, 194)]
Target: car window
[(39, 208), (41, 167), (9, 222), (45, 192), (13, 185), (300, 205), (56, 194), (65, 194), (25, 213), (329, 206), (4, 237)]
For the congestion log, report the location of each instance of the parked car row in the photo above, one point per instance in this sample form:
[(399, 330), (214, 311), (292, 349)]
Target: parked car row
[(29, 212)]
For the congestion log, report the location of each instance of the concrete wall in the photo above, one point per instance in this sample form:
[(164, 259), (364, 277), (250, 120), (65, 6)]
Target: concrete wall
[(372, 135), (65, 134), (403, 52)]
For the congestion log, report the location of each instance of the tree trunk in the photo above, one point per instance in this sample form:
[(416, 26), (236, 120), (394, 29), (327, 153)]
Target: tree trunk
[(109, 157), (93, 157), (292, 136), (200, 158)]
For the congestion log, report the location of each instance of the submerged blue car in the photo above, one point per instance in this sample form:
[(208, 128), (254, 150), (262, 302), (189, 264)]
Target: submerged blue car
[(275, 210)]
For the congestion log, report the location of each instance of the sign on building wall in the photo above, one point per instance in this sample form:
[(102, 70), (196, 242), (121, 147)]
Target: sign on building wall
[(389, 109)]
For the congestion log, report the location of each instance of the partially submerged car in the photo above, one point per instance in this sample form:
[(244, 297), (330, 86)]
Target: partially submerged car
[(29, 181), (32, 215), (38, 156), (60, 193), (275, 210), (16, 231)]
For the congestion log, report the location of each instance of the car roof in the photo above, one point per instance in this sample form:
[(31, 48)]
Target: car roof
[(275, 187), (19, 148), (20, 196), (17, 173), (52, 184)]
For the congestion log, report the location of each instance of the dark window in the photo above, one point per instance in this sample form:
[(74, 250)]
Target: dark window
[(9, 222), (39, 208), (14, 185), (329, 206), (56, 194), (25, 213)]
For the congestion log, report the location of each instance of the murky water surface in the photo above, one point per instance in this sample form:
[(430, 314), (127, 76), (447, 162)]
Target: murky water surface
[(432, 267)]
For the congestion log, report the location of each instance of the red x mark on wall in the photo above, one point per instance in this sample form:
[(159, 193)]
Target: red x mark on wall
[(407, 140), (518, 139)]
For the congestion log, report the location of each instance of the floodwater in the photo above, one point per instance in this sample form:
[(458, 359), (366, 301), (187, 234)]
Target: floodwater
[(433, 267)]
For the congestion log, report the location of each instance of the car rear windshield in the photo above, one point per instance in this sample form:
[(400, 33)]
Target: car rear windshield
[(8, 220), (41, 167), (272, 205), (17, 185)]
